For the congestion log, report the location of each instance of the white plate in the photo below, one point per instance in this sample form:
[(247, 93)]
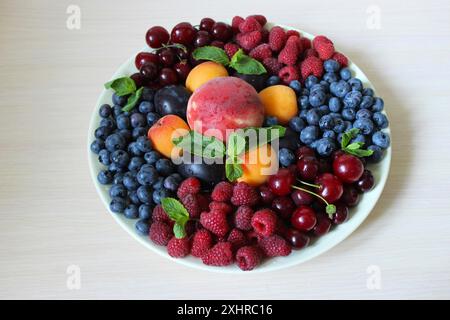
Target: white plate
[(324, 243)]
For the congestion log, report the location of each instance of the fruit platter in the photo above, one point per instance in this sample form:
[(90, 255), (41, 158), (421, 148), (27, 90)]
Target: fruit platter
[(239, 146)]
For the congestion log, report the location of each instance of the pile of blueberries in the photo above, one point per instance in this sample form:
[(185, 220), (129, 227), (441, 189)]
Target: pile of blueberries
[(330, 106), (139, 176)]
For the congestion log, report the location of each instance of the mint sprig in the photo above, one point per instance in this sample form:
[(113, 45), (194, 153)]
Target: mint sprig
[(211, 53), (354, 148), (198, 144), (126, 86), (178, 213), (133, 99)]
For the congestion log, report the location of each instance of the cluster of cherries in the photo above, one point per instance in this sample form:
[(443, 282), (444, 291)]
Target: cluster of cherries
[(316, 192), (171, 61)]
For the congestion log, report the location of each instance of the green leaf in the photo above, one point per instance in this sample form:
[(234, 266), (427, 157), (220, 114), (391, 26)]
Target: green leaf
[(348, 136), (122, 86), (211, 53), (354, 146), (198, 144), (233, 171), (179, 230), (235, 145), (266, 134), (360, 152), (245, 64), (132, 100), (175, 210)]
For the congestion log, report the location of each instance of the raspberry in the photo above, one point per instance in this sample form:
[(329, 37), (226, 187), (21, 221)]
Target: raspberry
[(191, 204), (178, 248), (201, 243), (324, 47), (264, 222), (230, 49), (275, 246), (277, 38), (243, 218), (339, 57), (203, 201), (292, 33), (190, 185), (237, 239), (260, 18), (215, 221), (221, 206), (272, 65), (250, 40), (222, 191), (261, 52), (265, 35), (244, 194), (219, 255), (250, 24), (288, 73), (158, 214), (311, 66), (160, 233), (253, 237), (236, 22), (306, 43), (247, 258), (290, 52), (310, 53)]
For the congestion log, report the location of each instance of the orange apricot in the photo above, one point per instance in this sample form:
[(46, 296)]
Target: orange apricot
[(203, 73), (279, 101), (258, 164)]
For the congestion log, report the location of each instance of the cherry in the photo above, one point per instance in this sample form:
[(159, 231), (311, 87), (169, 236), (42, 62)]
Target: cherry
[(149, 71), (350, 196), (304, 151), (156, 37), (167, 76), (167, 57), (218, 44), (284, 206), (348, 168), (307, 168), (206, 24), (301, 197), (138, 79), (341, 214), (266, 194), (322, 226), (202, 39), (366, 181), (182, 69), (183, 33), (324, 165), (330, 187), (181, 53), (143, 57), (222, 31), (281, 182), (337, 154), (297, 239), (303, 218)]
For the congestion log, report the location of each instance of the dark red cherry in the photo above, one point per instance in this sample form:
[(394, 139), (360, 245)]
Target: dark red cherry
[(138, 79), (301, 197), (167, 57), (350, 196), (183, 33), (156, 37), (281, 182), (182, 69), (330, 187), (266, 194), (297, 239), (284, 206), (202, 39), (341, 214), (304, 151), (348, 168), (366, 182), (307, 168), (168, 76), (206, 24), (322, 226), (222, 31), (149, 71), (144, 57), (303, 218)]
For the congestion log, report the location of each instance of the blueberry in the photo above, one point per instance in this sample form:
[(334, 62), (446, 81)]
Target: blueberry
[(97, 145), (147, 175), (152, 117), (143, 227), (286, 157), (164, 167), (108, 122), (334, 104), (102, 132), (368, 92), (148, 94), (310, 81), (380, 120), (136, 163), (378, 105), (352, 99), (381, 139), (331, 65), (335, 115), (144, 144), (119, 100), (326, 122), (339, 137), (377, 154), (151, 157), (366, 126), (172, 182), (130, 182), (347, 125), (340, 88), (348, 114), (134, 150), (273, 80), (363, 114), (312, 117), (145, 211), (296, 124), (139, 131), (118, 190), (126, 134), (123, 121), (317, 87), (325, 147), (134, 198), (117, 110), (345, 73), (160, 194), (105, 177), (145, 194), (159, 183), (340, 125), (115, 142), (305, 92), (309, 134), (105, 111), (366, 102), (302, 114), (104, 157), (117, 205), (356, 84), (270, 121), (296, 86), (303, 101), (115, 168), (118, 178), (131, 211), (329, 134), (325, 86), (330, 77), (137, 120), (120, 157), (359, 138), (323, 110), (146, 107)]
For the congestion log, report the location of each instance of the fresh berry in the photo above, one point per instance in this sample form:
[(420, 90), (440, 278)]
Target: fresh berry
[(250, 24), (219, 255), (222, 191), (237, 239), (190, 185), (203, 38), (322, 226), (339, 57), (281, 182), (274, 246), (288, 74), (304, 151), (330, 187), (236, 22), (277, 38), (178, 248), (341, 214), (250, 40), (218, 44), (183, 33), (297, 239), (201, 243), (221, 206), (264, 222), (348, 168), (156, 37), (261, 52), (144, 57), (366, 181), (158, 214), (308, 168), (311, 66), (243, 218), (284, 206), (191, 204), (160, 233), (306, 43), (310, 53), (244, 194), (303, 218), (301, 197), (182, 69), (222, 31), (248, 258), (260, 18), (266, 194), (272, 65), (215, 221), (231, 48), (206, 24), (350, 196), (289, 54), (292, 33), (203, 201), (324, 47)]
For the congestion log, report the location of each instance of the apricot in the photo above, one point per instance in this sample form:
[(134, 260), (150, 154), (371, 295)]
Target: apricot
[(163, 131), (203, 73), (258, 164), (279, 101)]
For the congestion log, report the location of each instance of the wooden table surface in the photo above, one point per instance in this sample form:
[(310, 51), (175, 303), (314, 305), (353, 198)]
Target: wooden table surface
[(53, 225)]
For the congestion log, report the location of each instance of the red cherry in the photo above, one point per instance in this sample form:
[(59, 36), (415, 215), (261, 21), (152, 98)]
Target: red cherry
[(341, 214), (167, 76), (330, 187), (303, 218), (297, 239), (281, 182), (156, 37), (206, 24), (183, 33), (366, 181), (266, 194), (218, 44), (303, 152), (182, 69), (222, 31), (181, 53), (350, 196), (149, 71), (322, 226), (307, 167), (167, 57), (284, 206), (325, 165), (337, 154), (301, 197), (202, 39), (138, 79), (348, 168), (144, 57)]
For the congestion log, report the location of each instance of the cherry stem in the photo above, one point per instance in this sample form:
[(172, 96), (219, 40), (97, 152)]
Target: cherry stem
[(175, 45), (330, 209), (309, 184)]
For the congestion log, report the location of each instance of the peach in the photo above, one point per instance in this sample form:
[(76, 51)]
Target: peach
[(203, 73), (279, 101), (257, 164), (222, 105), (163, 131)]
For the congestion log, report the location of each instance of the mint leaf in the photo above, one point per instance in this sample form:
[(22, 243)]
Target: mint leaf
[(233, 171), (211, 53), (245, 64), (198, 144), (178, 213), (265, 135), (354, 146), (360, 152), (348, 136), (235, 145), (179, 230), (132, 100), (122, 86)]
